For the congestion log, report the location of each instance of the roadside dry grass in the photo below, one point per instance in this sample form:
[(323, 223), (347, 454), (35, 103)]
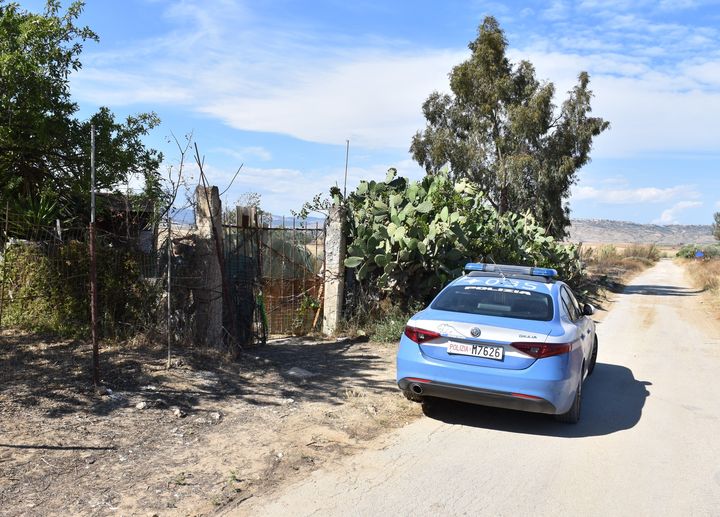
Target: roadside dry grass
[(610, 267), (705, 275)]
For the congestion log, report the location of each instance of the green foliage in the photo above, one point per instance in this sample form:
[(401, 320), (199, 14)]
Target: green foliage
[(36, 297), (408, 239), (716, 225), (388, 326), (44, 148), (501, 129), (46, 288), (709, 251), (305, 314)]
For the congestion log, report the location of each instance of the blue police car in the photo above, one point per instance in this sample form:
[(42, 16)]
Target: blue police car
[(501, 335)]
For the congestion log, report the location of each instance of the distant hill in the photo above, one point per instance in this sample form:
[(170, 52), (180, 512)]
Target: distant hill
[(605, 231), (287, 221)]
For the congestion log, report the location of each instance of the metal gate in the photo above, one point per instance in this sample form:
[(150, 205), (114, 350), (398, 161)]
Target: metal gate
[(275, 275)]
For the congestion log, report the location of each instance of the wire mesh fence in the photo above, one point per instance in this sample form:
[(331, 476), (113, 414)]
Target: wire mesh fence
[(44, 278), (278, 271), (153, 281)]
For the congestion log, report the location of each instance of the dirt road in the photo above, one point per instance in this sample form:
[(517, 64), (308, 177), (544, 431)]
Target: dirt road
[(648, 442)]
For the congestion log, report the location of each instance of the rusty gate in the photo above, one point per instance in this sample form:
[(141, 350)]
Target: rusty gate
[(275, 274)]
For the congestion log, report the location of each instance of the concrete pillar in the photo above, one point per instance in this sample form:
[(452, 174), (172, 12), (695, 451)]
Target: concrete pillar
[(208, 294), (334, 270)]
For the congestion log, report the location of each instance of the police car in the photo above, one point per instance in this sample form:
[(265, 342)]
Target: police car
[(501, 335)]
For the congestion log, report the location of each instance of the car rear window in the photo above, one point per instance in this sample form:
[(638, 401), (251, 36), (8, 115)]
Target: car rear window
[(505, 302)]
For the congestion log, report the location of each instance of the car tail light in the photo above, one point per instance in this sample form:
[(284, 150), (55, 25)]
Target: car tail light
[(540, 350), (420, 335), (417, 379)]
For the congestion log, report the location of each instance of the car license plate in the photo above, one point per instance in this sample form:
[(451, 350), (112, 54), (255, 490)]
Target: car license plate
[(485, 351)]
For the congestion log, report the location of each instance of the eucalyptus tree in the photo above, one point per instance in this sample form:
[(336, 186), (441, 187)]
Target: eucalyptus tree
[(501, 129)]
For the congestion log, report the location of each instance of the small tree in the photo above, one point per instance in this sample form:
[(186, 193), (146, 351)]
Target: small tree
[(44, 148), (501, 130), (716, 226)]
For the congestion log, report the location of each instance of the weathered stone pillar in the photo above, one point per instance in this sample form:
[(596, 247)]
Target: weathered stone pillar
[(334, 270), (208, 294)]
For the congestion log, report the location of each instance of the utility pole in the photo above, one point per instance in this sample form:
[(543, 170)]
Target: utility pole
[(347, 155), (93, 267)]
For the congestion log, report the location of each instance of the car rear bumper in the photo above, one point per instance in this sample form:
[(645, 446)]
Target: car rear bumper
[(546, 386), (479, 396)]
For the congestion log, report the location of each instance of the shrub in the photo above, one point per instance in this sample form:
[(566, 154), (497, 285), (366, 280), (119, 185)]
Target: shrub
[(648, 252), (46, 288), (709, 251)]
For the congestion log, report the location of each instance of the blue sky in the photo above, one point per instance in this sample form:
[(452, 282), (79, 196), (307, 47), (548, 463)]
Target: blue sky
[(280, 86)]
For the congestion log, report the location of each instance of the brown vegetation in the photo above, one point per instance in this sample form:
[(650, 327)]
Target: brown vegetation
[(705, 275), (610, 266)]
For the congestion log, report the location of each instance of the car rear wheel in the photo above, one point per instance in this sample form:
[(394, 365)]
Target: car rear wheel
[(429, 405), (593, 357), (573, 414)]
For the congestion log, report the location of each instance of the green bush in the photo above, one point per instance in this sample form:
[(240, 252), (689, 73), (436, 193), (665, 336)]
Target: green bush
[(46, 288), (689, 250), (389, 324)]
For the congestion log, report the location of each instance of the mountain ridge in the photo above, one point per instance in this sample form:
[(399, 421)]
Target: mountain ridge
[(606, 231)]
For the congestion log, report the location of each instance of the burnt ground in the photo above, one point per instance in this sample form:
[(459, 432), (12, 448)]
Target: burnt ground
[(185, 440)]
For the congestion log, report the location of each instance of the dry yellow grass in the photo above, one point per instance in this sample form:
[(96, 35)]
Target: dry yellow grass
[(615, 261), (705, 274)]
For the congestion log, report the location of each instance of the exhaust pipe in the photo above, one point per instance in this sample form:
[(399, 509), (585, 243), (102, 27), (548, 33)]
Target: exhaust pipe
[(416, 389)]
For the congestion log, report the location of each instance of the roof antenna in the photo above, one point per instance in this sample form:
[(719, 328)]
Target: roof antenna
[(498, 268)]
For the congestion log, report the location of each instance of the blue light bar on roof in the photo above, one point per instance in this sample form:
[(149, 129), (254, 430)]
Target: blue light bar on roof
[(510, 270), (543, 271)]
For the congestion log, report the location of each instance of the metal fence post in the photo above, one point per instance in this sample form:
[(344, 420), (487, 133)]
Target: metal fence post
[(4, 259), (93, 267)]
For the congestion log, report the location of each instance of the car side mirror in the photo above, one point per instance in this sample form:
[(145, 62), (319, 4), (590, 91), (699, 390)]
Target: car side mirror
[(588, 310)]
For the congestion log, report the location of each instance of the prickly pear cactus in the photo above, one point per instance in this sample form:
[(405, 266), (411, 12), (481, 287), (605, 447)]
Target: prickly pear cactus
[(409, 238)]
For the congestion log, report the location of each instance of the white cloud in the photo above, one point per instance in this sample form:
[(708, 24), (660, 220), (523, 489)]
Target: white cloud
[(675, 5), (557, 10), (633, 196), (257, 75), (657, 83), (245, 154), (285, 189), (650, 110), (669, 216), (374, 101)]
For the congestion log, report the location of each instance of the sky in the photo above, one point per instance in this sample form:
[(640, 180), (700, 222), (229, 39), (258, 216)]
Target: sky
[(279, 86)]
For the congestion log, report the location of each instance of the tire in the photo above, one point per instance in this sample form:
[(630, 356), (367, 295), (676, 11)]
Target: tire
[(593, 357), (429, 405), (573, 414)]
